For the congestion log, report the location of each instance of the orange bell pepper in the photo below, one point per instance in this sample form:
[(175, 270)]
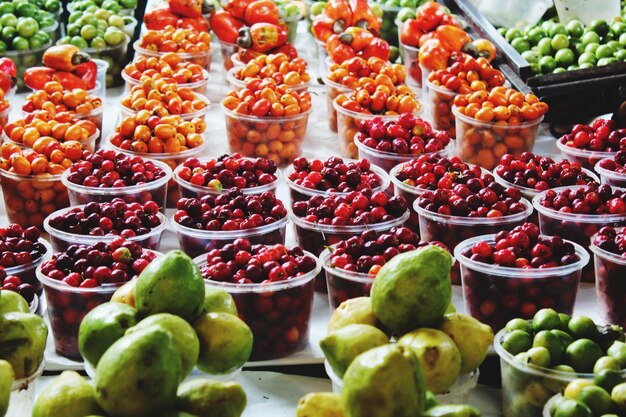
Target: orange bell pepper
[(452, 38), (429, 15), (410, 33), (433, 55)]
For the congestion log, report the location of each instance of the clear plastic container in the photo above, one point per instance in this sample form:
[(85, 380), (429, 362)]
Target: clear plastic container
[(22, 397), (495, 294), (95, 116), (198, 87), (26, 273), (90, 144), (549, 404), (333, 89), (587, 159), (578, 228), (323, 60), (117, 58), (315, 237), (348, 126), (484, 143), (292, 27), (24, 60), (53, 31), (236, 84), (529, 387), (388, 160), (344, 285), (4, 116), (612, 178), (195, 242), (610, 285), (300, 193), (61, 240), (189, 190), (277, 138), (103, 67), (278, 313), (202, 58), (28, 199), (440, 101), (237, 62), (410, 58), (228, 50), (127, 112), (452, 230), (129, 28), (459, 392)]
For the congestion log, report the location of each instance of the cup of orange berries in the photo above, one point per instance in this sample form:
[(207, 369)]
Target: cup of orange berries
[(189, 45), (292, 72)]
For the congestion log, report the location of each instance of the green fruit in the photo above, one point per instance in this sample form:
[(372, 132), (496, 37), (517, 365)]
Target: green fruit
[(102, 327), (218, 300), (345, 344), (564, 338), (535, 35), (557, 29), (539, 356), (22, 342), (550, 341), (12, 302), (537, 394), (225, 342), (317, 8), (402, 394), (607, 379), (185, 339), (27, 27), (564, 57), (590, 37), (113, 36), (572, 408), (546, 319), (452, 410), (399, 299), (138, 375), (582, 354), (69, 395), (320, 404), (512, 33), (20, 43), (520, 45), (439, 357), (471, 337), (597, 399), (604, 51), (618, 351), (170, 284), (8, 20), (582, 327), (572, 390), (618, 395), (6, 381), (599, 26), (606, 362), (587, 58), (559, 41), (544, 47), (575, 28), (516, 341), (519, 324), (88, 32), (206, 398), (353, 311), (79, 42), (530, 57)]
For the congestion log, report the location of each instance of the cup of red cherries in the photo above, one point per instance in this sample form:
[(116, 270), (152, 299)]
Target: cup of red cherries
[(612, 171), (273, 288)]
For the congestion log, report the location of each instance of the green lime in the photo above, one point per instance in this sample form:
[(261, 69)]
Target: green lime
[(607, 379), (116, 21), (539, 356), (618, 351), (606, 362), (590, 37), (599, 26), (8, 20), (618, 395), (575, 28), (132, 4), (582, 326), (582, 355), (547, 339), (585, 65), (530, 57), (35, 42), (604, 51), (78, 42), (564, 57), (564, 368), (7, 8), (535, 35), (591, 47), (534, 67), (557, 29), (520, 45), (8, 33), (572, 408), (578, 47), (501, 31), (614, 45), (98, 43), (20, 43), (606, 61), (111, 5), (519, 324), (88, 32), (572, 68), (574, 387), (546, 319), (53, 6), (89, 19), (621, 55), (618, 28), (512, 34), (546, 25), (559, 41), (516, 341), (26, 10), (597, 399), (565, 318), (544, 47), (564, 337), (3, 46), (588, 59)]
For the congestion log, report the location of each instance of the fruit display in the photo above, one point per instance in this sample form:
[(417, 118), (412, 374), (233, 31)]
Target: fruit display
[(544, 355), (590, 398), (491, 124), (213, 221), (170, 68), (123, 7), (588, 144), (273, 290), (608, 248), (576, 213), (334, 175), (554, 47), (82, 277), (191, 46), (612, 171), (199, 177), (271, 123), (291, 72), (103, 222), (65, 64), (548, 267)]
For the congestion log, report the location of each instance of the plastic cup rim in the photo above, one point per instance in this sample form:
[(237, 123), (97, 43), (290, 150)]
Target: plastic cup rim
[(588, 218)]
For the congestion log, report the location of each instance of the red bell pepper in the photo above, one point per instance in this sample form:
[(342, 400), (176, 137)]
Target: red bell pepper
[(429, 15), (8, 67), (410, 33), (69, 81), (225, 26), (377, 48), (189, 8), (262, 11), (452, 38), (433, 55), (338, 51), (262, 37), (160, 18), (36, 77), (364, 17), (88, 72)]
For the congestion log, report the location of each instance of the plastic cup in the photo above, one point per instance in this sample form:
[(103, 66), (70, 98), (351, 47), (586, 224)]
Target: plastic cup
[(202, 58), (323, 59), (116, 57), (587, 159), (195, 242), (292, 27), (127, 112), (452, 230), (440, 101), (348, 125), (53, 31), (483, 143), (458, 394), (300, 193), (612, 178), (549, 404), (28, 199), (578, 228), (277, 138), (199, 87), (227, 50), (4, 116), (388, 160), (62, 240), (278, 313), (103, 67), (90, 144), (237, 84), (237, 62), (24, 60), (610, 284), (495, 294), (333, 89), (22, 397), (189, 190), (344, 285), (26, 272), (410, 58)]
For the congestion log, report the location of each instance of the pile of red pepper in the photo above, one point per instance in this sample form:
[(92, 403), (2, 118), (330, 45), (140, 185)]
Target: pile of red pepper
[(8, 74), (66, 64), (182, 14)]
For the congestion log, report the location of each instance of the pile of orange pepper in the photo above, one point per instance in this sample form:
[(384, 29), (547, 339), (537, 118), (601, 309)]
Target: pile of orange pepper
[(340, 15), (182, 14), (65, 64)]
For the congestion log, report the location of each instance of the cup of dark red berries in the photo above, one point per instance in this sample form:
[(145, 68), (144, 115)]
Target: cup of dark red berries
[(337, 176), (388, 143), (214, 221), (21, 252), (430, 172), (83, 277), (104, 222), (199, 177), (516, 273), (612, 171), (324, 221), (588, 144), (609, 249), (352, 264), (108, 174), (273, 289), (578, 212), (481, 206)]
